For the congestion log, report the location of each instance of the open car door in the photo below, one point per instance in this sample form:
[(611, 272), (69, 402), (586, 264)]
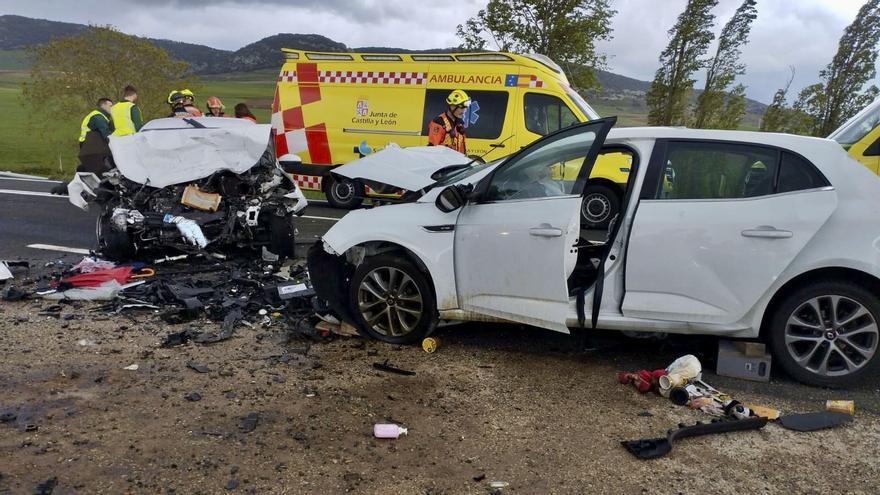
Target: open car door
[(514, 242)]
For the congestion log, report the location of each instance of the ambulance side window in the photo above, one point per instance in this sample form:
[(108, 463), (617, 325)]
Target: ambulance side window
[(483, 120), (546, 113)]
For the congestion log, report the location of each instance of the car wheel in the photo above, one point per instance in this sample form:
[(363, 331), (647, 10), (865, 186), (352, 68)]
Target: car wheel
[(281, 235), (392, 300), (827, 334), (112, 244), (600, 205), (343, 193)]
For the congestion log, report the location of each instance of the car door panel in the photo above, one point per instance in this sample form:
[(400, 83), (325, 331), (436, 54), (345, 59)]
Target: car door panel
[(513, 259), (710, 261)]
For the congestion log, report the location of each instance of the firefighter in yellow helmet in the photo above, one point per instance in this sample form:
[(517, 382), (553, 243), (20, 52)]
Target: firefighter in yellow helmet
[(447, 129)]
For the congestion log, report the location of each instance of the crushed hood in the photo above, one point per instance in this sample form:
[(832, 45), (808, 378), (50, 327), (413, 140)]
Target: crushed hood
[(161, 155), (406, 168)]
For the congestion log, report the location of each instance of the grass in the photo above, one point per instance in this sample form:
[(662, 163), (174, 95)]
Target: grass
[(52, 152)]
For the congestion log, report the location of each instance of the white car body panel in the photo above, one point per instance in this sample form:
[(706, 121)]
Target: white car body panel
[(707, 261), (407, 168), (167, 154), (527, 284), (715, 280)]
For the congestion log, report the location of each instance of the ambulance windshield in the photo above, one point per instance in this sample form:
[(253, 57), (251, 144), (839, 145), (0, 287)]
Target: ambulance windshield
[(857, 127), (580, 102)]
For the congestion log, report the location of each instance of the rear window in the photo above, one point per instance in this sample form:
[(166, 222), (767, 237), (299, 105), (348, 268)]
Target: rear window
[(484, 119), (797, 174)]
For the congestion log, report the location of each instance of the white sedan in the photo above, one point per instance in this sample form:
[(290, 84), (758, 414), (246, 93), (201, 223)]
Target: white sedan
[(726, 233)]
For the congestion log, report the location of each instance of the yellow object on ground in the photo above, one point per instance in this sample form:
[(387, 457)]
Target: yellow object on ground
[(430, 344), (841, 406), (764, 412)]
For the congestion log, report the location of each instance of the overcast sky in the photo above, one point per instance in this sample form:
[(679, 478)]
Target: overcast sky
[(802, 33)]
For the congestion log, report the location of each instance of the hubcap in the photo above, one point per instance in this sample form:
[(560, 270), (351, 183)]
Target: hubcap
[(390, 301), (343, 191), (831, 335), (596, 208)]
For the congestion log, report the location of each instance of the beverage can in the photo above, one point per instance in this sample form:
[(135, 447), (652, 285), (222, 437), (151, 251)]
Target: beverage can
[(841, 406), (430, 344)]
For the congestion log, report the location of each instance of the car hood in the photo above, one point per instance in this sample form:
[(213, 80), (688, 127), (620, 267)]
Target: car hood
[(406, 168), (163, 155)]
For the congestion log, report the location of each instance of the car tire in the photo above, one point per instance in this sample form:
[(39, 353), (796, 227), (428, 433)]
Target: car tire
[(343, 193), (282, 231), (599, 206), (112, 244), (392, 300), (820, 347)]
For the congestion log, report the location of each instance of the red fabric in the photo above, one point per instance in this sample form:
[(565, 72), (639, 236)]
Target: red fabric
[(642, 380), (120, 274)]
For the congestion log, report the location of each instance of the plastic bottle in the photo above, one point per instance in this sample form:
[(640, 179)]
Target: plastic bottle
[(388, 430)]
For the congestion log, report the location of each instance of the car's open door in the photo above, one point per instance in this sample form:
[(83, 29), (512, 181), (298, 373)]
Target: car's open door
[(514, 243)]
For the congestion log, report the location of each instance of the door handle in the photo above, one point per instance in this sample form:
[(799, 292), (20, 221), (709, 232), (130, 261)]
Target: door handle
[(767, 232), (497, 145), (545, 230)]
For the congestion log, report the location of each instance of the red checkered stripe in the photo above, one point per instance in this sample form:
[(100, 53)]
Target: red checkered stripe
[(287, 75), (308, 181), (535, 82), (370, 77)]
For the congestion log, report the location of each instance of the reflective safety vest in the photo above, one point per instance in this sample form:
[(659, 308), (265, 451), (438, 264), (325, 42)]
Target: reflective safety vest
[(84, 126), (122, 123), (447, 134)]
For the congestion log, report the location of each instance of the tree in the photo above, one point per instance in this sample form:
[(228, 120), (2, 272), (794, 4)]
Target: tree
[(564, 30), (839, 95), (69, 74), (689, 39), (716, 108), (776, 116)]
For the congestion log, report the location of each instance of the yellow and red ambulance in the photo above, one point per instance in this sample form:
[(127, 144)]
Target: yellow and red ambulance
[(332, 108)]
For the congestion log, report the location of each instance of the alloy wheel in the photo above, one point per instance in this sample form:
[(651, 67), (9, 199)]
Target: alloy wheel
[(390, 301), (831, 335)]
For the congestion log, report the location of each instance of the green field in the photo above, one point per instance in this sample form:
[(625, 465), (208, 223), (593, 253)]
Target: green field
[(31, 149)]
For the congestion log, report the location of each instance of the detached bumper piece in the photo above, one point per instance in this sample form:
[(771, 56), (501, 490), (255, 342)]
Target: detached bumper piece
[(652, 448)]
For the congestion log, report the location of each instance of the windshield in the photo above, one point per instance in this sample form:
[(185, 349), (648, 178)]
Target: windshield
[(465, 173), (580, 102), (857, 127)]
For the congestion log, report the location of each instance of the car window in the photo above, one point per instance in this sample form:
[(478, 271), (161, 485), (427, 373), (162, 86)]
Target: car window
[(697, 170), (546, 171), (545, 114), (484, 119), (797, 174), (858, 127)]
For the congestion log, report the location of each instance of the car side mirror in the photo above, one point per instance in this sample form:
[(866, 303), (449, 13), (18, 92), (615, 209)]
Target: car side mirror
[(452, 198), (289, 163)]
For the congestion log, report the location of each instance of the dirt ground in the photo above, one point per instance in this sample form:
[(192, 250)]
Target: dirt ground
[(494, 403)]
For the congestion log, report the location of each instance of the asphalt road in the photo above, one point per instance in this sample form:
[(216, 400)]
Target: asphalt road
[(30, 217)]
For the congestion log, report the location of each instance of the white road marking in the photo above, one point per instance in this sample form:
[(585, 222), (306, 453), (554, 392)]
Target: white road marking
[(63, 249), (331, 219), (2, 177), (32, 193)]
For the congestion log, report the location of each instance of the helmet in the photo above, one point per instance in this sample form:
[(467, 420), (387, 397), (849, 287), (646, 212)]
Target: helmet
[(174, 97), (186, 92), (458, 98), (214, 102)]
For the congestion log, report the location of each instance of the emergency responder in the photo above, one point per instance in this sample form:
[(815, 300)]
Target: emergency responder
[(125, 115), (215, 107), (189, 103), (94, 135), (447, 129), (243, 112), (97, 121)]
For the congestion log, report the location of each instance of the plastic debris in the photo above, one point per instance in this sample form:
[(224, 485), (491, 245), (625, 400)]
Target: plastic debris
[(391, 369), (651, 448), (90, 264), (5, 273), (132, 367), (814, 421), (388, 430)]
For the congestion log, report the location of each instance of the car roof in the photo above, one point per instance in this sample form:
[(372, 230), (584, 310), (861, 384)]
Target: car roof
[(768, 138)]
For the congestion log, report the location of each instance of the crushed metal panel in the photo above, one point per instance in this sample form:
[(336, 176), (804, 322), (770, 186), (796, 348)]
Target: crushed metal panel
[(406, 168)]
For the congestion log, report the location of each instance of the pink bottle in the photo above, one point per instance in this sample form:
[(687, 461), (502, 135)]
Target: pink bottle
[(388, 430)]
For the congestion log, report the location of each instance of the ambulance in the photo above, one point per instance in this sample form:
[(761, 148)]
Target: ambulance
[(332, 108)]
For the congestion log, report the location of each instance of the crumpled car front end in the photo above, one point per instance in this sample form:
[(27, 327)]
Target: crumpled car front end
[(188, 190)]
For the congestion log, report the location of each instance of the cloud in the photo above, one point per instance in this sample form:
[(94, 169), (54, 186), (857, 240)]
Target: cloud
[(803, 33)]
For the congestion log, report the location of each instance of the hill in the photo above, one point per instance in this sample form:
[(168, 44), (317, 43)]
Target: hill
[(620, 95)]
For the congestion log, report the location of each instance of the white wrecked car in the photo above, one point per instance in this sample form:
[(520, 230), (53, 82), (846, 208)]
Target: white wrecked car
[(192, 184), (726, 233)]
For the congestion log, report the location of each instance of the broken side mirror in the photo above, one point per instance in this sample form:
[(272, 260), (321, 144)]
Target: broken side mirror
[(290, 163), (452, 198)]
